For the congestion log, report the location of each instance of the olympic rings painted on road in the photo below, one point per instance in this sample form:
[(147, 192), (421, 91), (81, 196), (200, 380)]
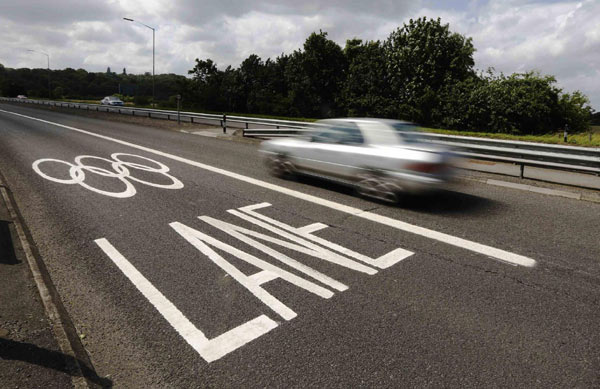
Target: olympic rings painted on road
[(122, 171)]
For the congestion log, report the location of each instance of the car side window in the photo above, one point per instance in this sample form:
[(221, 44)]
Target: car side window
[(346, 133), (326, 136), (350, 136)]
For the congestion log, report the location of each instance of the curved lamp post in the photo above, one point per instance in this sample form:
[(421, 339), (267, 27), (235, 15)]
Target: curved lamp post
[(153, 31)]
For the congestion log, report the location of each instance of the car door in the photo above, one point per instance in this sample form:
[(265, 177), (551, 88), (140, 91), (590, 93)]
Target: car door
[(335, 151)]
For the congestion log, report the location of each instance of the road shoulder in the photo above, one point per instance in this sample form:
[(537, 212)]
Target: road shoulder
[(39, 346)]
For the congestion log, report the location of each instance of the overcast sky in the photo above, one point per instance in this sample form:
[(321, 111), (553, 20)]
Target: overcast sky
[(561, 38)]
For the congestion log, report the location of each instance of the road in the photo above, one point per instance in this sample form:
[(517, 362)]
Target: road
[(182, 263)]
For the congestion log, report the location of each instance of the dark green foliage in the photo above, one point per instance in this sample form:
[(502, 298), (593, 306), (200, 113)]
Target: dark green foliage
[(58, 93), (526, 103), (422, 72), (315, 76), (575, 111), (206, 85), (421, 58), (80, 84), (366, 91), (141, 100)]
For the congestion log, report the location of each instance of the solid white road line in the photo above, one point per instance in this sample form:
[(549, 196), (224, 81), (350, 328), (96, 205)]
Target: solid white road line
[(502, 255), (209, 349)]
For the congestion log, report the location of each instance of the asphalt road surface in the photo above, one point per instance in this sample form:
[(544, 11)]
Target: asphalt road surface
[(182, 263)]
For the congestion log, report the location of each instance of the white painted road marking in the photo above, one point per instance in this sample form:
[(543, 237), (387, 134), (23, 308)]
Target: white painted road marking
[(209, 349), (121, 172), (502, 255), (202, 241), (223, 344), (382, 262), (243, 234)]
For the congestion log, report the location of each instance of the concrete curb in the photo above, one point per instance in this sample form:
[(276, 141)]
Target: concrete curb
[(64, 331)]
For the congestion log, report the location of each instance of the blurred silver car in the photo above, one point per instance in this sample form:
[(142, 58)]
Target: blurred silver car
[(111, 100), (382, 158)]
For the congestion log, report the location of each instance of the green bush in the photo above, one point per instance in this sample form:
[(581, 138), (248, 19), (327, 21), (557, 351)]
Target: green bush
[(141, 100), (522, 103)]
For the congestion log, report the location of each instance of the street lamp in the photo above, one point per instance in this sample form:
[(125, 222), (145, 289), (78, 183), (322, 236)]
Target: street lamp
[(152, 28), (48, 56)]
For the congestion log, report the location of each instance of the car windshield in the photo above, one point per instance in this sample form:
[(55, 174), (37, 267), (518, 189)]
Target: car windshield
[(113, 98)]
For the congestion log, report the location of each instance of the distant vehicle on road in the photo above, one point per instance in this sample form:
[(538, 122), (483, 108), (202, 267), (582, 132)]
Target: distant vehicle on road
[(111, 100), (382, 158), (22, 97)]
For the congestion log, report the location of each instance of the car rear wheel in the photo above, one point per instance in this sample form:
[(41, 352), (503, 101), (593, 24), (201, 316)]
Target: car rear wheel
[(280, 166), (378, 186)]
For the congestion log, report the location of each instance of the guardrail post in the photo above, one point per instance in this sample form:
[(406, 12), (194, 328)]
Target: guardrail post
[(178, 109), (521, 170), (224, 124)]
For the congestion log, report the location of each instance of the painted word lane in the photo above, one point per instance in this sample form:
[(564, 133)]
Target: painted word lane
[(278, 266)]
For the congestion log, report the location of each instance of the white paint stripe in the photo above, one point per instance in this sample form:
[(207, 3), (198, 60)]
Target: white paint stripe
[(312, 228), (502, 255), (240, 233), (382, 262), (198, 239), (303, 245), (210, 350), (392, 257), (264, 276)]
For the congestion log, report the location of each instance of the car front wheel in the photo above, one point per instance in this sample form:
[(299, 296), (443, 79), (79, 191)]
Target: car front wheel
[(378, 186), (280, 166)]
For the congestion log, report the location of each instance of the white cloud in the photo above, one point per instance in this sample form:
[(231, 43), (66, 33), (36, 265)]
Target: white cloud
[(561, 38)]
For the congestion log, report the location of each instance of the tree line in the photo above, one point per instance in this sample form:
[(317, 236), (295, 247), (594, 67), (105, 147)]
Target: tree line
[(422, 72), (81, 84)]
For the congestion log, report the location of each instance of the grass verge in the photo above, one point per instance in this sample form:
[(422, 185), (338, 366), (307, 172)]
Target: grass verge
[(587, 139)]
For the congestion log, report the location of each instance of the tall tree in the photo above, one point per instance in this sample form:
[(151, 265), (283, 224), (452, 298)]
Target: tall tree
[(315, 76), (251, 78), (366, 90), (206, 84), (421, 57)]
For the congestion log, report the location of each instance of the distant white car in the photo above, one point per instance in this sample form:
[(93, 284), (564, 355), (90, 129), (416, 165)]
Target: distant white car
[(111, 100), (22, 97), (382, 158)]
